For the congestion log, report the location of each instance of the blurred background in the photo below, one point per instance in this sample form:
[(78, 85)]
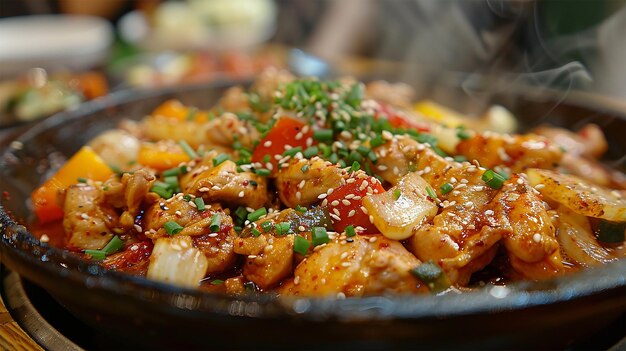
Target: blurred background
[(56, 54)]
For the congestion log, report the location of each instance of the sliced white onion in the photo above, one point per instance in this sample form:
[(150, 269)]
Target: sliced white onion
[(396, 216), (175, 261)]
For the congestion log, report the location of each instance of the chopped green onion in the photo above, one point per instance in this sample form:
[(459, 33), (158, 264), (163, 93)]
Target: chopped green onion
[(172, 172), (97, 255), (493, 179), (172, 181), (354, 156), (266, 158), (262, 172), (355, 166), (363, 150), (283, 228), (431, 275), (305, 168), (301, 209), (372, 156), (463, 134), (249, 287), (293, 151), (301, 245), (199, 204), (350, 231), (253, 183), (187, 149), (431, 192), (310, 151), (172, 227), (267, 226), (217, 282), (319, 236), (163, 192), (219, 159), (81, 180), (214, 227), (256, 232), (611, 232), (187, 197), (377, 141), (256, 215), (333, 158), (324, 135), (113, 246), (396, 194), (241, 212), (446, 188)]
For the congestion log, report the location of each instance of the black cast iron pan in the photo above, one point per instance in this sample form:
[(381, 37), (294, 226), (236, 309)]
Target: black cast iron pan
[(549, 314)]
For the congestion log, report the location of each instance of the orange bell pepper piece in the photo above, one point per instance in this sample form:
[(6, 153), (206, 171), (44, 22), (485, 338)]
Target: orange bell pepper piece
[(84, 164), (161, 156), (174, 109)]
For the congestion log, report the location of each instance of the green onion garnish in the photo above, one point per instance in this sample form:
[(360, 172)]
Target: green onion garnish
[(81, 180), (460, 158), (113, 246), (397, 193), (172, 172), (293, 151), (163, 192), (431, 192), (310, 151), (301, 245), (319, 236), (256, 232), (355, 166), (463, 134), (446, 188), (217, 282), (493, 179), (267, 226), (219, 159), (187, 149), (187, 197), (363, 150), (324, 135), (172, 227), (377, 141), (172, 181), (214, 227), (97, 255), (301, 209), (241, 212), (191, 115), (283, 228), (305, 168), (254, 216), (199, 204), (350, 231), (431, 275), (372, 156), (262, 172)]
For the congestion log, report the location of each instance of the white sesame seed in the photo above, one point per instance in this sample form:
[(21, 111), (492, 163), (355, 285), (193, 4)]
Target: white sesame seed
[(537, 238), (296, 280), (322, 196), (267, 143), (489, 212), (351, 213), (204, 189), (301, 184), (540, 186), (84, 216), (341, 296), (240, 194), (298, 195), (346, 202), (346, 264), (373, 239), (138, 228), (301, 228), (44, 238), (212, 235)]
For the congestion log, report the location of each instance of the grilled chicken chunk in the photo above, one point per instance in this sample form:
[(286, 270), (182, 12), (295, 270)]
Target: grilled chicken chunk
[(517, 152), (88, 221), (128, 194), (216, 246), (269, 259), (368, 266), (227, 128), (223, 183), (296, 187)]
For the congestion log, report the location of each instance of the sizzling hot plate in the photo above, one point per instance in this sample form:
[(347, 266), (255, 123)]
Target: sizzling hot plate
[(525, 314)]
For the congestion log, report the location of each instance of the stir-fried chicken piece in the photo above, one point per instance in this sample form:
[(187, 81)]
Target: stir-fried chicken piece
[(128, 194), (531, 238), (223, 183), (157, 127), (217, 246), (116, 147), (517, 152), (369, 265), (235, 99), (297, 187), (88, 221), (227, 128), (269, 81), (269, 258)]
